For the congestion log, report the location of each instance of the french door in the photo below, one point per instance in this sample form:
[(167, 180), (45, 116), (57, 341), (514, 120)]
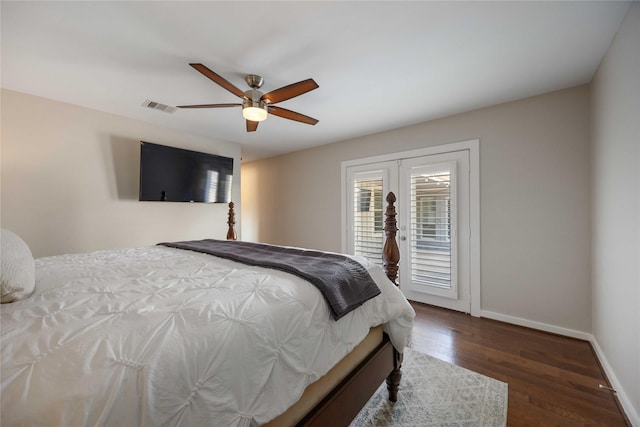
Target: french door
[(434, 230), (433, 193)]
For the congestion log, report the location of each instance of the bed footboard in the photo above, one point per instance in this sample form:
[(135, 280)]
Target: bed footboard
[(346, 401), (342, 405)]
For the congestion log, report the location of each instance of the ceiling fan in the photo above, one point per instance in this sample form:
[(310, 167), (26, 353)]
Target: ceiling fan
[(255, 104)]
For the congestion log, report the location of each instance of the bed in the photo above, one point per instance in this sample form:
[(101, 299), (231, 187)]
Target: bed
[(168, 336)]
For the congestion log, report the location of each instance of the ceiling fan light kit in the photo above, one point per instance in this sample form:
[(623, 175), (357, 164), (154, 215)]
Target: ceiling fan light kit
[(253, 108), (254, 111), (257, 105)]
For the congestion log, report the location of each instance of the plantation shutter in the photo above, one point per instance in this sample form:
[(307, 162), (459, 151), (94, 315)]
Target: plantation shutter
[(432, 215), (366, 188), (368, 236)]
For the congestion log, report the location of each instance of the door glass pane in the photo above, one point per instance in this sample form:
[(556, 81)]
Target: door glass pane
[(430, 237), (368, 218)]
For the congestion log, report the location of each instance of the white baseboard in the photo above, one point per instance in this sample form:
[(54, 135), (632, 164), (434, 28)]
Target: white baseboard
[(623, 398), (536, 325), (627, 405)]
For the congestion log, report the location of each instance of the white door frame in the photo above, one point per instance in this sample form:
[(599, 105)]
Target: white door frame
[(474, 202)]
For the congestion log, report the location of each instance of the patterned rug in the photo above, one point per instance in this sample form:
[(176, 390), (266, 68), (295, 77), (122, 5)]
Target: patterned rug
[(437, 393)]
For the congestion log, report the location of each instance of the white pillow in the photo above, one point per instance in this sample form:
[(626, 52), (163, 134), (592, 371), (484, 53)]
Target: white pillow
[(18, 268)]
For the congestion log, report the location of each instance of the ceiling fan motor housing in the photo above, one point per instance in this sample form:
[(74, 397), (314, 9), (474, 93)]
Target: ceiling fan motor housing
[(253, 99)]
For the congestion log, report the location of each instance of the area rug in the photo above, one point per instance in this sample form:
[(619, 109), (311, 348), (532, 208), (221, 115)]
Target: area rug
[(437, 393)]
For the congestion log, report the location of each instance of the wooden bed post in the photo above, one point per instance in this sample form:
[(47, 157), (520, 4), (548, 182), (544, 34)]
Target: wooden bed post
[(391, 256), (390, 252), (231, 233)]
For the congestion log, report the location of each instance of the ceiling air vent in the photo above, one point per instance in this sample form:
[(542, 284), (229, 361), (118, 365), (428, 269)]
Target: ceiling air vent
[(158, 106)]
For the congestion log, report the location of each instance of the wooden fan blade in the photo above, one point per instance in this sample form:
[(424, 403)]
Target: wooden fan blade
[(208, 106), (252, 126), (219, 80), (291, 115), (290, 91)]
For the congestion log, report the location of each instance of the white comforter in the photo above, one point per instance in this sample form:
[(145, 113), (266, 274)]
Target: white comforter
[(163, 337)]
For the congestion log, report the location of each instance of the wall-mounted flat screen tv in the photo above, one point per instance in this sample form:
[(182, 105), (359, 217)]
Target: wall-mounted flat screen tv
[(170, 174)]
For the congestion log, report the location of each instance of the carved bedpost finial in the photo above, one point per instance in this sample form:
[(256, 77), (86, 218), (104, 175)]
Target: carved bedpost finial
[(231, 233), (390, 252)]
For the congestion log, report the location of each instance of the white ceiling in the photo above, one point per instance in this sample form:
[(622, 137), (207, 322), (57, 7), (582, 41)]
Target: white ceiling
[(380, 65)]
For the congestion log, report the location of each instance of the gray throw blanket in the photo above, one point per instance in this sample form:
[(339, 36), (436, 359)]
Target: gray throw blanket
[(344, 282)]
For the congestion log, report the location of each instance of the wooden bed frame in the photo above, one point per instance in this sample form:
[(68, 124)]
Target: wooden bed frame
[(346, 400)]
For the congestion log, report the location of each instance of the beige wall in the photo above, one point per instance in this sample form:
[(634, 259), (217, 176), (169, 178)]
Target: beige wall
[(534, 190), (616, 211), (69, 179), (260, 207)]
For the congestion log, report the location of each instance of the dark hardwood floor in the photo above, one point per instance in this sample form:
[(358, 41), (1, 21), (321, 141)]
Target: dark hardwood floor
[(553, 380)]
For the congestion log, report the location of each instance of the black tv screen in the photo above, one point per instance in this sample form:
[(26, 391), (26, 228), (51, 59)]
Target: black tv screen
[(170, 174)]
